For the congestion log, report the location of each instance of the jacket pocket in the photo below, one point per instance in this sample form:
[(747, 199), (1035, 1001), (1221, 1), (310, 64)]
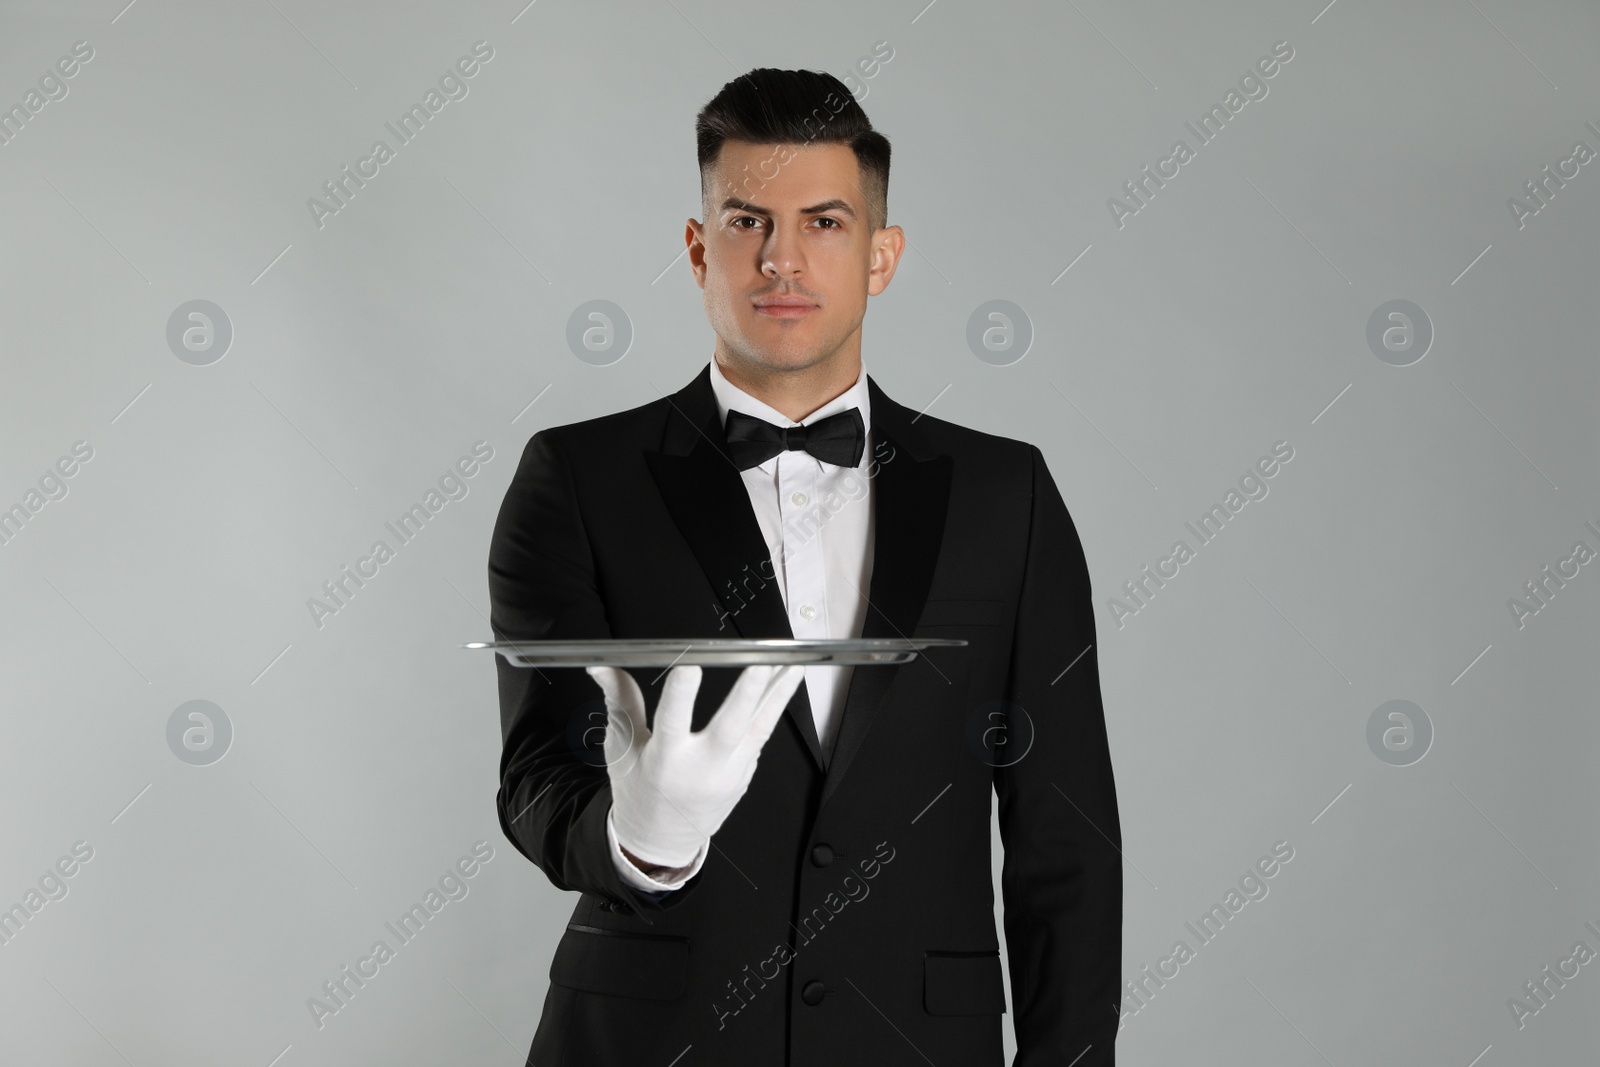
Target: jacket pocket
[(963, 983), (645, 966), (946, 612)]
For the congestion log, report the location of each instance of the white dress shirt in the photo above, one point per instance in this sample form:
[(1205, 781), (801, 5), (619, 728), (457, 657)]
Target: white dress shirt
[(817, 519)]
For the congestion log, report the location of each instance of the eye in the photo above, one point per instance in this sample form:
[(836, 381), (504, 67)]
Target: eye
[(744, 218), (828, 218)]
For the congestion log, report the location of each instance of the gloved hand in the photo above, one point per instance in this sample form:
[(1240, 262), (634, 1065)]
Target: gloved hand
[(672, 788)]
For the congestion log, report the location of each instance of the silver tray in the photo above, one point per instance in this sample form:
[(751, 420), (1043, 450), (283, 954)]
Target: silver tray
[(714, 651)]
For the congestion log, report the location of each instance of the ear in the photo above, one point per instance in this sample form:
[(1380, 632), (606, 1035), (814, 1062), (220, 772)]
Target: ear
[(694, 237), (887, 246)]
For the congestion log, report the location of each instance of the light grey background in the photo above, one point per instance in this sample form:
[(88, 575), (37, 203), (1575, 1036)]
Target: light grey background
[(1228, 314)]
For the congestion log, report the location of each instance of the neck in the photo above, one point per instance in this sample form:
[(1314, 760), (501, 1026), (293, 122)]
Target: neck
[(797, 392)]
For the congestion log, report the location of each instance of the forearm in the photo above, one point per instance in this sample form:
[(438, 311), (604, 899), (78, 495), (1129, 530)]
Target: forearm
[(553, 810), (554, 792)]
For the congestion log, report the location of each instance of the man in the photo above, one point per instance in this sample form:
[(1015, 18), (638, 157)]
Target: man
[(805, 878)]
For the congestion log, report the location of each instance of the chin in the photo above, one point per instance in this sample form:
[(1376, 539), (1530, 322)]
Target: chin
[(791, 339), (783, 356), (794, 355)]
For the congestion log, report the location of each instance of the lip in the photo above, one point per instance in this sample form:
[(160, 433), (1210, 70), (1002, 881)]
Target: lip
[(785, 308)]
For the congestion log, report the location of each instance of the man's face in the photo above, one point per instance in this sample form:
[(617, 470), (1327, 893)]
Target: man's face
[(787, 254)]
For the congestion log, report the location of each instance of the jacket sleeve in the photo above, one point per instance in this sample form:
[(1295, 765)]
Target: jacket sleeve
[(1062, 873), (554, 792)]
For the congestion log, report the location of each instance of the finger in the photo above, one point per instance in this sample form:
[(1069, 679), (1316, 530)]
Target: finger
[(765, 713), (787, 679), (771, 707), (621, 746), (675, 710), (773, 704), (732, 719), (624, 703), (618, 738)]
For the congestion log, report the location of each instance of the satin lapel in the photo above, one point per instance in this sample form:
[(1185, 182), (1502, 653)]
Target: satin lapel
[(710, 505), (911, 490)]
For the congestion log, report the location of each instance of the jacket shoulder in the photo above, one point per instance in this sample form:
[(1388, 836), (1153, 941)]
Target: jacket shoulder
[(994, 451), (633, 429)]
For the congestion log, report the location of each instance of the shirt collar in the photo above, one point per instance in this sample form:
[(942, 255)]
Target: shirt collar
[(731, 398)]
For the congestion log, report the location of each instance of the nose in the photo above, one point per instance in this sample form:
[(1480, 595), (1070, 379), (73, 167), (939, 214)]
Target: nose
[(782, 255)]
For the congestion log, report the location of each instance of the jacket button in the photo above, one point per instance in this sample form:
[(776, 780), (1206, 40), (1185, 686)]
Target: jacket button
[(821, 856), (813, 993)]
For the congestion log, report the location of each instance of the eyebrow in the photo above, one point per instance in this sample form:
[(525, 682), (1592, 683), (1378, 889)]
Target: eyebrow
[(733, 203)]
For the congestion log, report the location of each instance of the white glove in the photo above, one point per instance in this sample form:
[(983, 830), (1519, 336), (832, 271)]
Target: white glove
[(671, 788)]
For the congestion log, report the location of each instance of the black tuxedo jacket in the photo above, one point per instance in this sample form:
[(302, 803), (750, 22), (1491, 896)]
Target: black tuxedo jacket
[(845, 913)]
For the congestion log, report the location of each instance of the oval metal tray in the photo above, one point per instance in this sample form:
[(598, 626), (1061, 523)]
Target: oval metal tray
[(714, 651)]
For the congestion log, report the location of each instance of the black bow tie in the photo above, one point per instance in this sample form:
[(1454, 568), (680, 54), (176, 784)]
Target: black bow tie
[(838, 439)]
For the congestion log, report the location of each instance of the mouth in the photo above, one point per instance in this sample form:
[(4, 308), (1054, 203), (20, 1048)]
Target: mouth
[(785, 309)]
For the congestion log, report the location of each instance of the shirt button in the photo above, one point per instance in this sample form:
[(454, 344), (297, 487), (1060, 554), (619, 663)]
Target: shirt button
[(807, 612), (799, 500), (813, 992)]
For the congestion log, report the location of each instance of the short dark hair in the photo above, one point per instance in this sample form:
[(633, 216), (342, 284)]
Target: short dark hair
[(800, 107)]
